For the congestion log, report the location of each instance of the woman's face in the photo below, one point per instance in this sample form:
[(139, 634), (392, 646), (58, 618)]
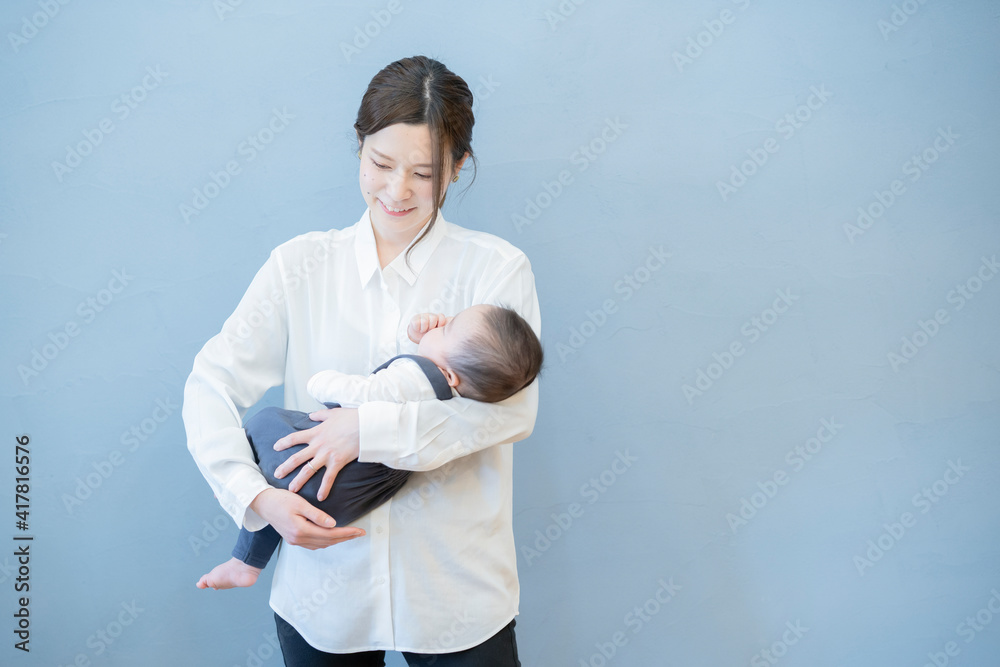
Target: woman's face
[(396, 178)]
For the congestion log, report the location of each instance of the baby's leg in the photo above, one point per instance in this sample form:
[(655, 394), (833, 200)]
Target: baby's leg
[(250, 555), (358, 489), (234, 573)]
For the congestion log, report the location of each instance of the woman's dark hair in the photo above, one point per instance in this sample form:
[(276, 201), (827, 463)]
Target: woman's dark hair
[(422, 91), (500, 359)]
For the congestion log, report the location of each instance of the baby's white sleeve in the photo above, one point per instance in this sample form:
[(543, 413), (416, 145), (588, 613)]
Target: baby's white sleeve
[(402, 381)]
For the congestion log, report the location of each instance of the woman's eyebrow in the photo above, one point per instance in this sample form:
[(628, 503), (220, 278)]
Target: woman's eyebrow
[(386, 157)]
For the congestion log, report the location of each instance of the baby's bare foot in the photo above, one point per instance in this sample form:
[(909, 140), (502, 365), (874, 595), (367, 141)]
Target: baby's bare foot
[(234, 573)]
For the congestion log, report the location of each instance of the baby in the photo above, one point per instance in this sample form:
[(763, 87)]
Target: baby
[(486, 353)]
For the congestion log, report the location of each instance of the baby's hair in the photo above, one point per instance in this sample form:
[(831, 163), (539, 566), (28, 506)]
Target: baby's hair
[(500, 359)]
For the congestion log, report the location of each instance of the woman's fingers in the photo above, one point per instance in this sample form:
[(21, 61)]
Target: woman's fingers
[(293, 462), (327, 483), (333, 443), (311, 528), (318, 516), (300, 480), (295, 438), (322, 415), (310, 468), (300, 523), (329, 471), (311, 536), (298, 458)]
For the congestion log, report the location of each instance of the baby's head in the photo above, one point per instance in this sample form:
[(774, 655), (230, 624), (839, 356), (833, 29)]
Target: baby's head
[(488, 353)]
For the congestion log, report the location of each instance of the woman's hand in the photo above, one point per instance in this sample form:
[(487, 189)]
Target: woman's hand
[(333, 444), (298, 522), (424, 322)]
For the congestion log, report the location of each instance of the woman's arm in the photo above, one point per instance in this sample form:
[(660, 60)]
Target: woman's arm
[(428, 434), (231, 373)]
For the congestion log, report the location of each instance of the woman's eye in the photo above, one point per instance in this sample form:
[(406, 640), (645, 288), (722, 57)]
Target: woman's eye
[(387, 167)]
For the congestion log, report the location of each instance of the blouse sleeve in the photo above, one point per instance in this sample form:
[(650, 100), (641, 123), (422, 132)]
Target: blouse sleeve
[(428, 434), (231, 373)]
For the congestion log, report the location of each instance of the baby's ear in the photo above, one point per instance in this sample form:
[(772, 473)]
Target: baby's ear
[(451, 376)]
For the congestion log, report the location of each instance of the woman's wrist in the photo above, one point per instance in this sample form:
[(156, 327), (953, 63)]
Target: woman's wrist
[(261, 505)]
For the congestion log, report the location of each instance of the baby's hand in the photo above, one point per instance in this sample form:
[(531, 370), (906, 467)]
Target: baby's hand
[(424, 322)]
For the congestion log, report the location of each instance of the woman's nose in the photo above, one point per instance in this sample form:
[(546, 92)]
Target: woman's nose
[(398, 187)]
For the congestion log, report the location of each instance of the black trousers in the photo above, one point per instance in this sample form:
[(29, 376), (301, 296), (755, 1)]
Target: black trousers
[(500, 650), (358, 489)]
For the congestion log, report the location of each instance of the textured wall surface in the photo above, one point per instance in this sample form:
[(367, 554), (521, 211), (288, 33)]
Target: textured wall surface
[(765, 237)]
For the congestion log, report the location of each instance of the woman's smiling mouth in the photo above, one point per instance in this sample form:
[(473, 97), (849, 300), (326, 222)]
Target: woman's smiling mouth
[(394, 211)]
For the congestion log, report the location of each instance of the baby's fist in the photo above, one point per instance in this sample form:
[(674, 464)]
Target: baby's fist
[(424, 322)]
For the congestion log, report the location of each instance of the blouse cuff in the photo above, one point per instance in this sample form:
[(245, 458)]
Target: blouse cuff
[(378, 431), (245, 488), (315, 384)]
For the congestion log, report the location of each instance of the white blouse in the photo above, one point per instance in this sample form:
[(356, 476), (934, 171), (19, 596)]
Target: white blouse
[(436, 571)]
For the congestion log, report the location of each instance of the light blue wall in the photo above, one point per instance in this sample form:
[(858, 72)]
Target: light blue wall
[(672, 469)]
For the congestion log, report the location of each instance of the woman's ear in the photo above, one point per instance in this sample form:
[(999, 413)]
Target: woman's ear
[(458, 165)]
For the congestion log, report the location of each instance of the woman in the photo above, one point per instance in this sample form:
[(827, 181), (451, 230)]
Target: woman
[(434, 572)]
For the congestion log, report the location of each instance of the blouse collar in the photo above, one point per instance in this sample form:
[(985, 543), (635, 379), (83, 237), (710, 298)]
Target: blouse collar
[(366, 253)]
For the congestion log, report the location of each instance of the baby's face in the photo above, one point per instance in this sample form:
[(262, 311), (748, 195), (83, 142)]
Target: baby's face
[(438, 343)]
